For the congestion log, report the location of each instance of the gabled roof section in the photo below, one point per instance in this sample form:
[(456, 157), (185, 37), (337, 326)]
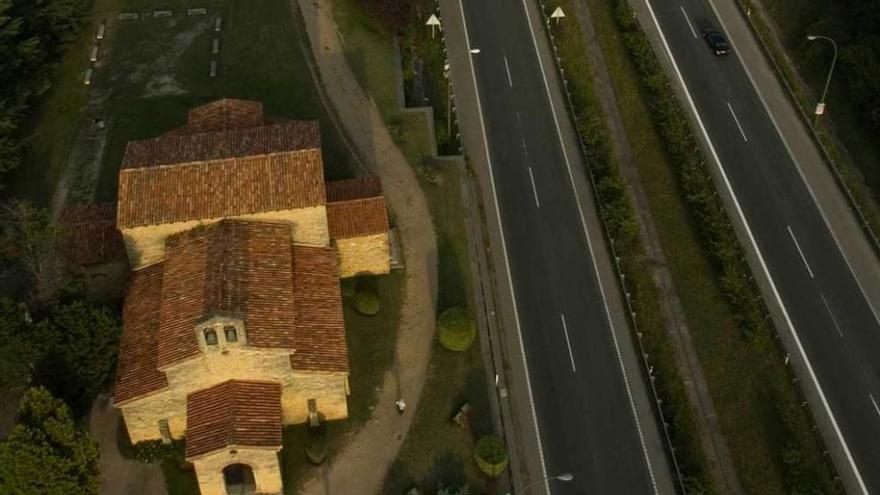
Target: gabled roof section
[(233, 267), (90, 235), (136, 373), (221, 115), (320, 327), (281, 137), (234, 413), (356, 208)]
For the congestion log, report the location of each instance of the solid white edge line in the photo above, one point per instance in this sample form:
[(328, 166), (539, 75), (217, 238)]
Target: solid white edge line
[(522, 347), (507, 68), (831, 314), (738, 125), (800, 251), (568, 343), (800, 172), (754, 244), (592, 253), (686, 19), (534, 189)]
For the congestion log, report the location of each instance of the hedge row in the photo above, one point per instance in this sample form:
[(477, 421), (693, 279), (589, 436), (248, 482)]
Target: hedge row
[(720, 242), (622, 227)]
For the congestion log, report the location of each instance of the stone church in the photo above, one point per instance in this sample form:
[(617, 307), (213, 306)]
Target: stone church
[(233, 321)]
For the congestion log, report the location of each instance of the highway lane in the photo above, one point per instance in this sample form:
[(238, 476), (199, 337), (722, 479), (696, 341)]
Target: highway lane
[(826, 308), (582, 396)]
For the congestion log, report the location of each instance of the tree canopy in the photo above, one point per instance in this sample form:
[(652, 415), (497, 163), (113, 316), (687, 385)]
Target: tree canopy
[(456, 329), (46, 453)]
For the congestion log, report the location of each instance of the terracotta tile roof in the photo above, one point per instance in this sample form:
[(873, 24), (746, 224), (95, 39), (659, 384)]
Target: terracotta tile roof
[(229, 187), (320, 328), (234, 413), (231, 267), (348, 189), (90, 235), (280, 137), (221, 115), (357, 218), (136, 373)]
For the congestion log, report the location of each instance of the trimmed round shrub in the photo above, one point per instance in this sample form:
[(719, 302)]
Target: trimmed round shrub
[(491, 455), (456, 329), (366, 302)]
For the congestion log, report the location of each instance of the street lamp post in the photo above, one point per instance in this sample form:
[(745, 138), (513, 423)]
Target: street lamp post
[(446, 68), (820, 107), (559, 477)]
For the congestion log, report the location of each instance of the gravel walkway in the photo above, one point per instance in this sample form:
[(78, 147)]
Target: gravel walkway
[(364, 462)]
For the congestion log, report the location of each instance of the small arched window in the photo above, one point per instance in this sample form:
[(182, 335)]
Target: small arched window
[(210, 336), (231, 334)]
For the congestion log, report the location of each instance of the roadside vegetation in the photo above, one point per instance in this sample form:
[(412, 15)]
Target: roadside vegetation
[(769, 433), (848, 129), (437, 450)]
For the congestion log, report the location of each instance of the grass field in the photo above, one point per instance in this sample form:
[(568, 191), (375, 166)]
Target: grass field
[(434, 450), (749, 385), (154, 69)]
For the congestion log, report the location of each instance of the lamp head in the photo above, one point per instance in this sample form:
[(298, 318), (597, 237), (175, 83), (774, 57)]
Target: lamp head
[(475, 51), (811, 37), (565, 477)]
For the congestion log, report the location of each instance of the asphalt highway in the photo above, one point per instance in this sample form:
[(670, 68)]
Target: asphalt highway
[(825, 308), (582, 390)]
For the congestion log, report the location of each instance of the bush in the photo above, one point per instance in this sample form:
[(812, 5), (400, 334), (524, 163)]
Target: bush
[(156, 451), (366, 302), (456, 329), (491, 455), (317, 448)]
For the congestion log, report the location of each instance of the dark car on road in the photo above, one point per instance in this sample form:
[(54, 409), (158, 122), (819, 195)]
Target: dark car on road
[(716, 41)]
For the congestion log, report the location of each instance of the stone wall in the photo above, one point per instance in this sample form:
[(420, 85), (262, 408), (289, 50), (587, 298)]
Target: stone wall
[(329, 390), (264, 462), (146, 245), (364, 255)]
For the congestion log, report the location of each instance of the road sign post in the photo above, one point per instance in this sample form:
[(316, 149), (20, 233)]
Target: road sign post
[(434, 22), (557, 14)]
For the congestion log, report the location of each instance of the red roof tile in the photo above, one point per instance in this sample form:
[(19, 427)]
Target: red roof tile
[(221, 115), (348, 189), (229, 187), (136, 373), (232, 267), (357, 218), (281, 137), (90, 235), (234, 413)]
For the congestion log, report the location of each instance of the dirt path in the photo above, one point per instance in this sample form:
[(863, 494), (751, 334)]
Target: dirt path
[(364, 462), (714, 445), (120, 475)]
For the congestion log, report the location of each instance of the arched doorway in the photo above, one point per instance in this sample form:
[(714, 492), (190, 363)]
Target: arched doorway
[(239, 479)]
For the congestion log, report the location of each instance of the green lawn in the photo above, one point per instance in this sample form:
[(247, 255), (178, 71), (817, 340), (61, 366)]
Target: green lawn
[(156, 69), (371, 341), (435, 449), (747, 379)]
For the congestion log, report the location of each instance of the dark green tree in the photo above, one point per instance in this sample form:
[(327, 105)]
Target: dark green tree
[(46, 453)]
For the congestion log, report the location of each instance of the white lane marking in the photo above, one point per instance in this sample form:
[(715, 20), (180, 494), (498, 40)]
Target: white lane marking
[(800, 172), (693, 31), (568, 343), (798, 246), (831, 314), (632, 403), (522, 347), (876, 408), (534, 189), (507, 68), (763, 263), (741, 131)]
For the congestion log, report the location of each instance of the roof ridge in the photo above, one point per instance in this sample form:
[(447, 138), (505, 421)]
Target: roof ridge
[(150, 168)]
